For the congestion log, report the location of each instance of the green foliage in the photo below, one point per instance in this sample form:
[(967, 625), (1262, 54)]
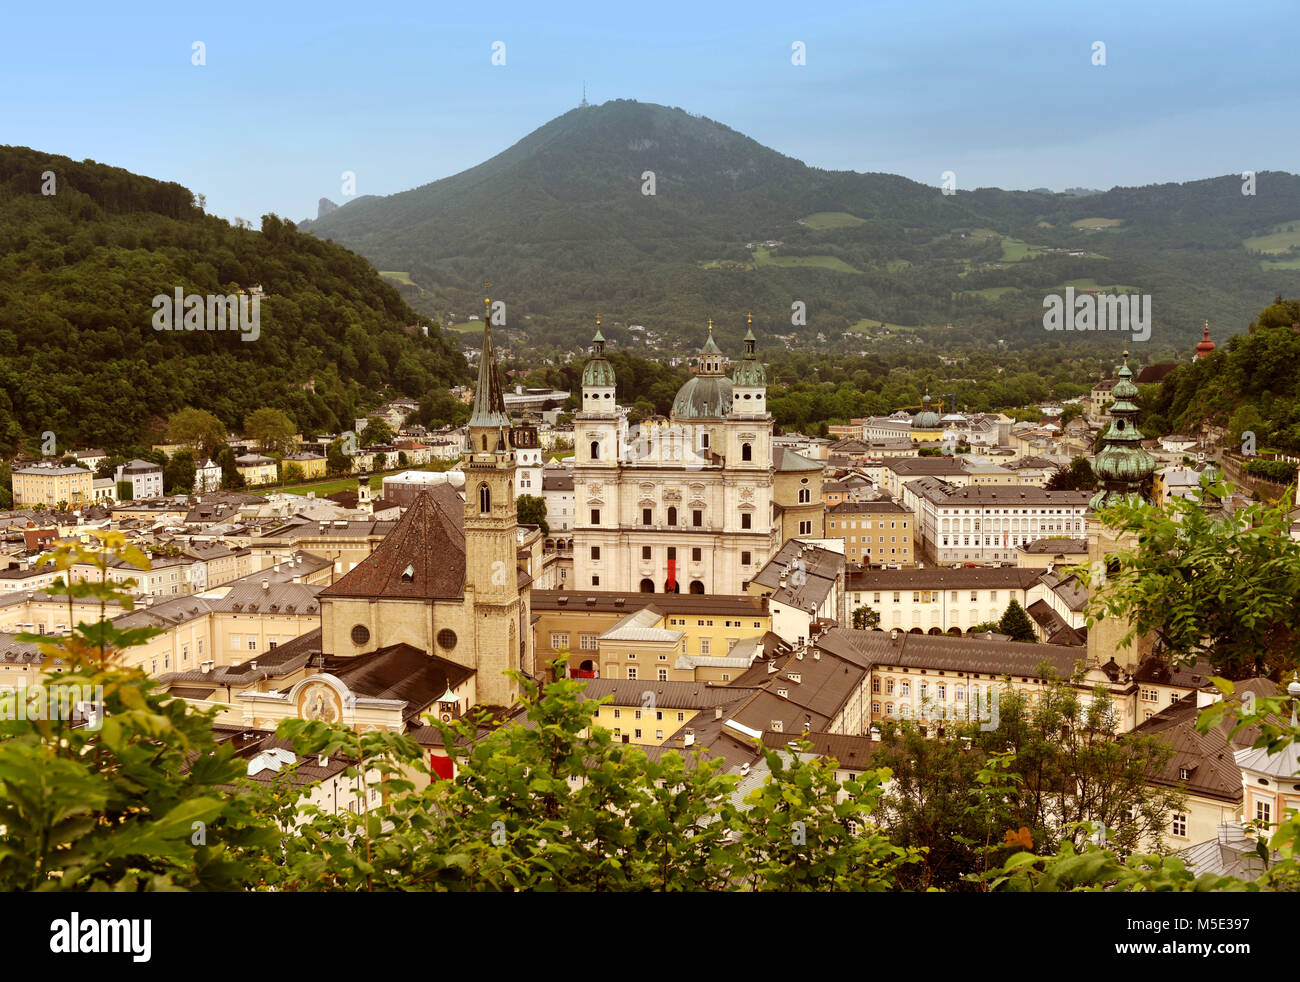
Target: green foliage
[(1077, 477), (531, 510), (1204, 585), (198, 429), (135, 804), (866, 618), (1016, 624), (272, 429), (1281, 471), (377, 432), (79, 270)]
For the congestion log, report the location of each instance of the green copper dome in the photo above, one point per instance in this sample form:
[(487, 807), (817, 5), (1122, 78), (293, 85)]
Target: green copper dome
[(1123, 465), (598, 370), (709, 394), (749, 371), (704, 397)]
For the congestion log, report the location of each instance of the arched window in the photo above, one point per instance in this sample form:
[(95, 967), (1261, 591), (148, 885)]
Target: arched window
[(595, 450), (697, 586), (805, 496), (647, 586), (485, 442), (672, 516), (484, 499), (746, 452)]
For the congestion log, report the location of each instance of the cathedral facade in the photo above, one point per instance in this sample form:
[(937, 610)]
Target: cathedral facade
[(679, 504)]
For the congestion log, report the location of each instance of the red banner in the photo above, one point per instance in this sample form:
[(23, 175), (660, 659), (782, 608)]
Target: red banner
[(672, 576)]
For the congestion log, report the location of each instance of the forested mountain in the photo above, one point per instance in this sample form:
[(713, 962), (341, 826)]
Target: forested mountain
[(560, 223), (1249, 384), (79, 354)]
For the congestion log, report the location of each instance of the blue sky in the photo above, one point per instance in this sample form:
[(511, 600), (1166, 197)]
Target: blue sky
[(1003, 94)]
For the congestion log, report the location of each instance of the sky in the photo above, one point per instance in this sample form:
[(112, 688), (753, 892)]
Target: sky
[(1003, 94)]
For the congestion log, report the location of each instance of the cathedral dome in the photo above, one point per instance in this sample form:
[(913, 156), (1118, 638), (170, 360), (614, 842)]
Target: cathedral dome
[(704, 397), (927, 418), (598, 370)]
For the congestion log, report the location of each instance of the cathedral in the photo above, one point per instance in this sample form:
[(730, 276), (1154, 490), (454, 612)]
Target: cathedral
[(679, 504)]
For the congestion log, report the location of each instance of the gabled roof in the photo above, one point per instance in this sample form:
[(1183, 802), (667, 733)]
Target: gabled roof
[(422, 558)]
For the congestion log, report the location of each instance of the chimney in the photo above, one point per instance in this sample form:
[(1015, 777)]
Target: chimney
[(717, 712), (323, 760), (817, 654), (893, 635), (771, 667), (266, 584), (875, 734), (688, 738)]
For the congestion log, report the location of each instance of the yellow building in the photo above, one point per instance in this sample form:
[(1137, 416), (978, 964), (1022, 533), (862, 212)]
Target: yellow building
[(312, 464), (797, 493), (257, 469), (51, 486), (687, 629), (874, 532)]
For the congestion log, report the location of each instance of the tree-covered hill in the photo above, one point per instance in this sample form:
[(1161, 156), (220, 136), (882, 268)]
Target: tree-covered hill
[(79, 354), (560, 224), (1249, 384)]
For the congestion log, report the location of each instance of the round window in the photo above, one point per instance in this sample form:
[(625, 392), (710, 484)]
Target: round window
[(447, 639), (360, 634)]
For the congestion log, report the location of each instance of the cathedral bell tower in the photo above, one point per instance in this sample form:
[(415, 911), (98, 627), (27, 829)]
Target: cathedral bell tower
[(492, 596)]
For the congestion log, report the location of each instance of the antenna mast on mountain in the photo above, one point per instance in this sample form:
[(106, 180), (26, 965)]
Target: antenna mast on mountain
[(583, 104)]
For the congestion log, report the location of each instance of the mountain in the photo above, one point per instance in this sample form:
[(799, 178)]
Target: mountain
[(80, 356), (560, 224)]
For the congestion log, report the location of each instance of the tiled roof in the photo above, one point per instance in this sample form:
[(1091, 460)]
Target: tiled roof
[(939, 652), (423, 558)]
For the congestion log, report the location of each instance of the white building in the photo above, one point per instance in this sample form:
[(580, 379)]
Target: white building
[(987, 523), (207, 477), (145, 478), (679, 503)]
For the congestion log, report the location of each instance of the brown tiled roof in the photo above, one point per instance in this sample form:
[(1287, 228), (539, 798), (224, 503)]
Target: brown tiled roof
[(400, 671), (667, 695), (1207, 758), (850, 752), (939, 652), (428, 542), (943, 578), (617, 602)]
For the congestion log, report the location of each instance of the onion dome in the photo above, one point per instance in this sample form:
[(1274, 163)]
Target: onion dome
[(927, 418), (1205, 346), (750, 370), (708, 394), (1122, 465), (598, 370)]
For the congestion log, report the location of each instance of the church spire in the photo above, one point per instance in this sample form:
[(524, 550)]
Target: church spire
[(489, 400), (1122, 466)]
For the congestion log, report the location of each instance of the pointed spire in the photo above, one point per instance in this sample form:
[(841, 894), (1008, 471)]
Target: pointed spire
[(489, 399)]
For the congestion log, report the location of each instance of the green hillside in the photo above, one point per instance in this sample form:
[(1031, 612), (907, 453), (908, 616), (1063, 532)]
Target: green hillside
[(560, 224), (79, 355)]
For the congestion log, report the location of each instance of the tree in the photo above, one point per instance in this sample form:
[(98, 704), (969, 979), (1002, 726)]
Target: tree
[(336, 460), (1226, 588), (1016, 624), (377, 432), (866, 618), (291, 473), (531, 510), (272, 429), (1077, 477), (178, 475), (115, 804), (1073, 411), (197, 429)]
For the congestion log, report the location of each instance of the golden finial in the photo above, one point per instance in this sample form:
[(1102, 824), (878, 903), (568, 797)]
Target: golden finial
[(487, 298), (710, 325), (598, 320), (749, 318)]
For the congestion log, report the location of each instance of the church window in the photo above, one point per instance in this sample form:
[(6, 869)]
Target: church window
[(360, 634), (805, 528), (595, 516), (595, 450), (645, 552), (447, 639), (746, 520), (697, 518), (645, 516), (745, 559), (595, 552), (805, 496), (697, 554), (484, 499), (672, 516), (746, 452)]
